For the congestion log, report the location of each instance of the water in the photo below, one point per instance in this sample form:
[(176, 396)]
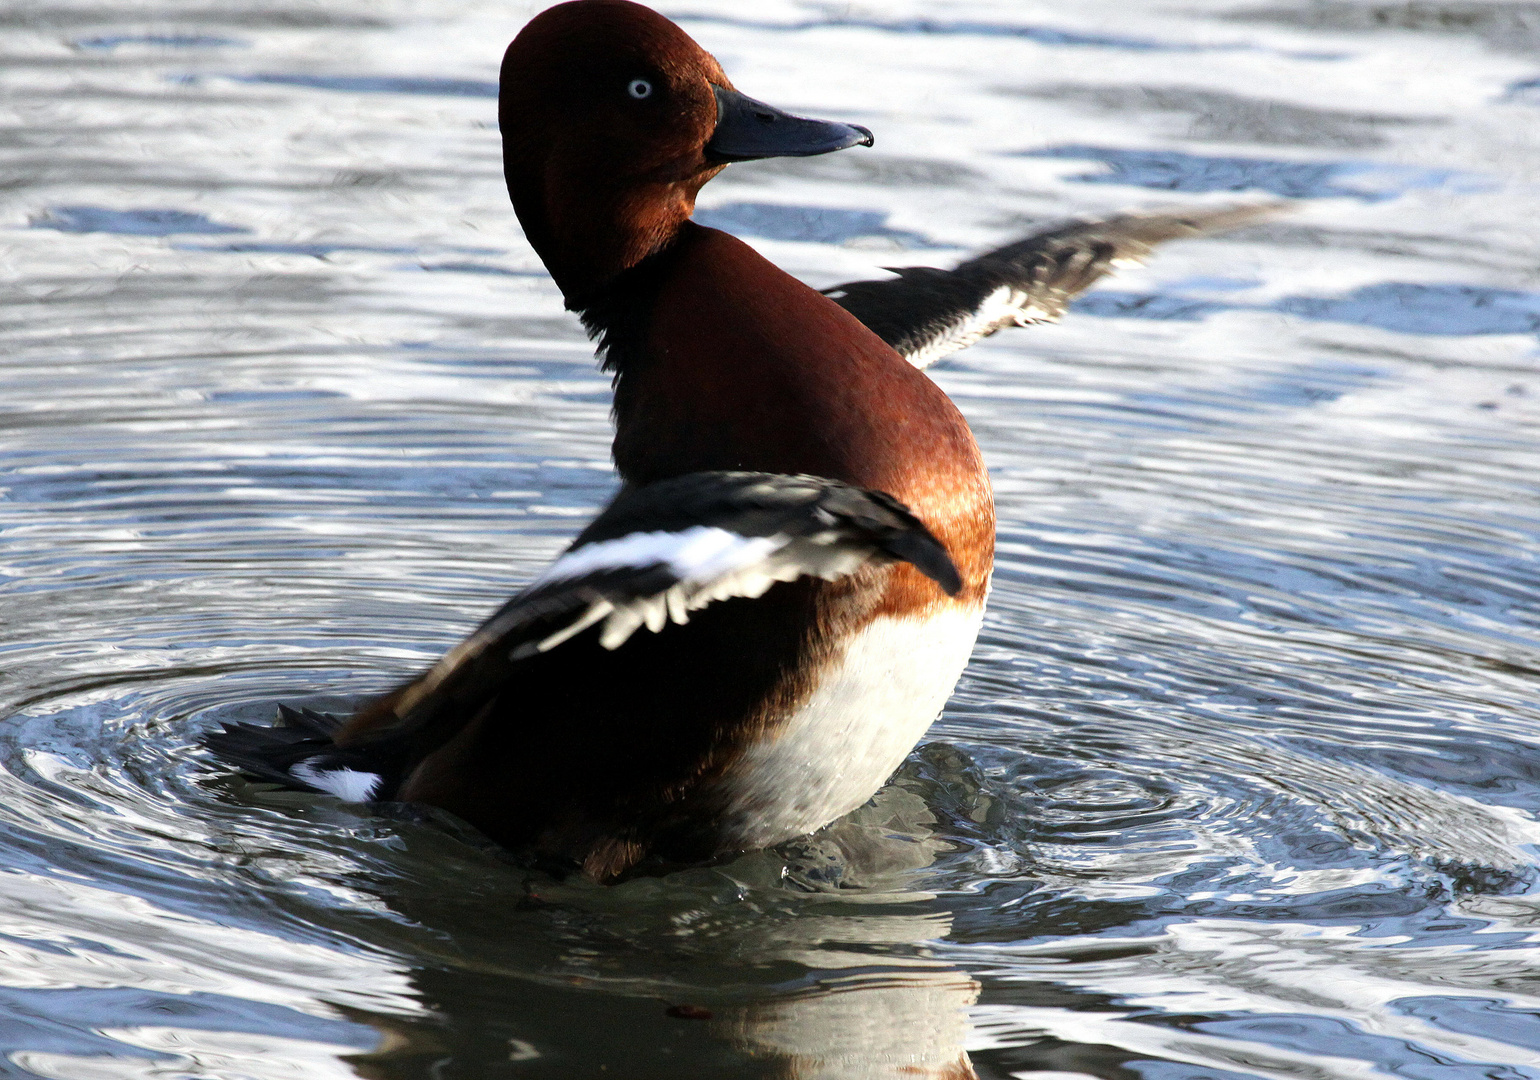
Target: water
[(1242, 781)]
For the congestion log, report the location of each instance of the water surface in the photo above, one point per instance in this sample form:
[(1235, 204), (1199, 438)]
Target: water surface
[(1242, 781)]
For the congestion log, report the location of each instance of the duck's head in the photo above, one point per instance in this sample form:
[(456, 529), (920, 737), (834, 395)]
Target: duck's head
[(612, 119)]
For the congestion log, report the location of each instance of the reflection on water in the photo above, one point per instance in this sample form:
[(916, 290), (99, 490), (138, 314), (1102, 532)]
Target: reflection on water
[(1046, 35), (1446, 310), (763, 967), (1242, 780), (87, 219), (1175, 170), (380, 84), (818, 224)]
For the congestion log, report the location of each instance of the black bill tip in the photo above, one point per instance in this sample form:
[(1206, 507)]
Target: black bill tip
[(748, 130)]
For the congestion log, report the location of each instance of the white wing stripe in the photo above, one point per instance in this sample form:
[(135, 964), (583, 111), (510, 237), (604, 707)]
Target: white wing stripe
[(707, 563), (1006, 306), (698, 553)]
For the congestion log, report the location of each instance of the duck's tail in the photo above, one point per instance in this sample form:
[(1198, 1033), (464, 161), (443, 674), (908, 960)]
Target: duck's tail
[(298, 753)]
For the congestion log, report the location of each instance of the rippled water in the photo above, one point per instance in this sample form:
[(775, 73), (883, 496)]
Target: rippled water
[(1242, 780)]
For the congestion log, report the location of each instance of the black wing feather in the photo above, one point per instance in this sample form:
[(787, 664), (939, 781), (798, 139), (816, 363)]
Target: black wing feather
[(926, 313)]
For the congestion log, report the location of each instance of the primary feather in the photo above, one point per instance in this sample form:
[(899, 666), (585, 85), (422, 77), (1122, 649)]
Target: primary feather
[(926, 313)]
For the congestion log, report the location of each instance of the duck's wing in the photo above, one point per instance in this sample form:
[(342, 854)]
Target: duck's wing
[(926, 313), (659, 552), (655, 555)]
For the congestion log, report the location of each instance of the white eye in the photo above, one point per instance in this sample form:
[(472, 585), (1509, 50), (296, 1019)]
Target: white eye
[(639, 88)]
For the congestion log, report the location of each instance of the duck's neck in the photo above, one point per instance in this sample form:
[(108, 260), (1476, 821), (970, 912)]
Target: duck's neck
[(585, 250), (589, 227)]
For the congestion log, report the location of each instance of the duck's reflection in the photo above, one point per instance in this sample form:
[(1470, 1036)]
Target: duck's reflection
[(806, 963), (909, 1025)]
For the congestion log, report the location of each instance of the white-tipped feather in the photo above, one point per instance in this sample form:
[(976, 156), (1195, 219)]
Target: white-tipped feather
[(349, 785), (598, 610), (701, 551), (605, 583), (710, 564), (747, 569), (1006, 306)]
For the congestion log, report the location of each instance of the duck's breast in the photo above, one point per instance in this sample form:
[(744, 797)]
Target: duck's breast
[(871, 704)]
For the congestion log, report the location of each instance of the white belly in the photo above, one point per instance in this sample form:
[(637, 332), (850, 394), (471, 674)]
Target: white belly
[(852, 732)]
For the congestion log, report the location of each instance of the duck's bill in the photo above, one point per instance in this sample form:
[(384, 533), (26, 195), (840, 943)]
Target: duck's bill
[(747, 130)]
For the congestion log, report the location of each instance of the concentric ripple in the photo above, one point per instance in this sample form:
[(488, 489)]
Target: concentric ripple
[(1241, 783)]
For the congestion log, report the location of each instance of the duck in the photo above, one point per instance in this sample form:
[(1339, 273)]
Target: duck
[(746, 643)]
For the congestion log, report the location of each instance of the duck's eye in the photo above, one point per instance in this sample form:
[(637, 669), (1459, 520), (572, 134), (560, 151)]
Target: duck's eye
[(639, 88)]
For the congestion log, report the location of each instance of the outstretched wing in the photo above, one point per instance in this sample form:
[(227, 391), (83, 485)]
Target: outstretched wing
[(659, 552), (655, 555), (926, 313)]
